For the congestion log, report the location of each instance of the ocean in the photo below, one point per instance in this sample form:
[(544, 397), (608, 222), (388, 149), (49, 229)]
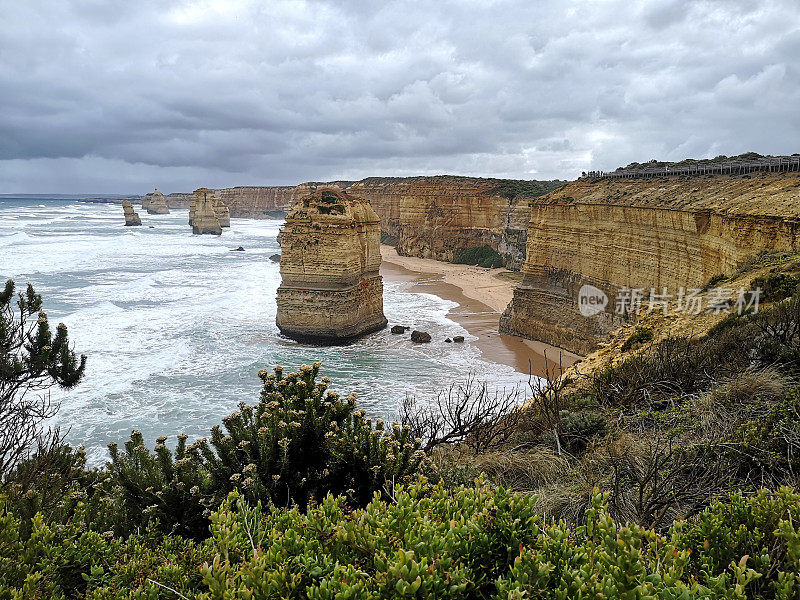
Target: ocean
[(176, 326)]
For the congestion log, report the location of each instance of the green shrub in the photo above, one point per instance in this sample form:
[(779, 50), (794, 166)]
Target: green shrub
[(640, 335), (776, 286), (482, 256), (298, 444)]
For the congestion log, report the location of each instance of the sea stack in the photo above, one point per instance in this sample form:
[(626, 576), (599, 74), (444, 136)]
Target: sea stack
[(330, 290), (157, 204), (223, 212), (205, 217), (131, 218)]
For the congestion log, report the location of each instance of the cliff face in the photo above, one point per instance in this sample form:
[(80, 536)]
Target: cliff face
[(255, 202), (671, 233), (178, 200), (437, 217), (330, 288)]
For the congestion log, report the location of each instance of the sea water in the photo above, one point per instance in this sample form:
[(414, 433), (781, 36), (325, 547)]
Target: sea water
[(176, 326)]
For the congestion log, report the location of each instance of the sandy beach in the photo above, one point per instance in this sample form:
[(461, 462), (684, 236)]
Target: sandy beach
[(482, 295)]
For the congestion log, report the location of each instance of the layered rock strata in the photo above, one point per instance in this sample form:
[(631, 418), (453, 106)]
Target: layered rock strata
[(661, 235), (438, 217), (157, 204), (179, 200), (204, 219), (331, 291), (222, 212), (257, 202), (132, 218)]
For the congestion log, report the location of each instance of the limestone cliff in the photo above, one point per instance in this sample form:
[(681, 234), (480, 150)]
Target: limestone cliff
[(648, 234), (204, 218), (131, 218), (157, 204), (179, 200), (330, 289), (438, 217), (254, 202)]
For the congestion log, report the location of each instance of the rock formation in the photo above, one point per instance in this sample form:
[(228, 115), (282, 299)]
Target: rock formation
[(131, 217), (646, 234), (257, 202), (330, 289), (179, 200), (157, 204), (222, 212), (204, 219), (438, 217)]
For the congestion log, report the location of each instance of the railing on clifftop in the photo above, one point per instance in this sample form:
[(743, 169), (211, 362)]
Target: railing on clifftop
[(777, 164)]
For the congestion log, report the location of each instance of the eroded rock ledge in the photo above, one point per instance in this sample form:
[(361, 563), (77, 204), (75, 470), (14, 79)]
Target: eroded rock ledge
[(672, 233), (330, 289)]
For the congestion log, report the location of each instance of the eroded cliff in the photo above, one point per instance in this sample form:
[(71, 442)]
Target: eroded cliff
[(438, 217), (257, 202), (666, 235)]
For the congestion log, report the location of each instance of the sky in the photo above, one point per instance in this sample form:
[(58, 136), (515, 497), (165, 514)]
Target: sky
[(122, 96)]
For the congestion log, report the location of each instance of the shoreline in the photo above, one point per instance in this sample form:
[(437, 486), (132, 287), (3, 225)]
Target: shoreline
[(481, 296)]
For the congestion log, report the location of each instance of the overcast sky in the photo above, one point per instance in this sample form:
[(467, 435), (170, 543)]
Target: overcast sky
[(124, 96)]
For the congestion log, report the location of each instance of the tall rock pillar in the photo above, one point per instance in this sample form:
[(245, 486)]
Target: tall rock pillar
[(205, 217), (331, 291)]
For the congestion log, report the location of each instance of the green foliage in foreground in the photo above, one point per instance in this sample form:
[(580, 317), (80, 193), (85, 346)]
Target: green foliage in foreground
[(426, 542), (482, 256), (299, 443)]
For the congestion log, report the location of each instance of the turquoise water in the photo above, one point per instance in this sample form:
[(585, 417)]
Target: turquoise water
[(176, 326)]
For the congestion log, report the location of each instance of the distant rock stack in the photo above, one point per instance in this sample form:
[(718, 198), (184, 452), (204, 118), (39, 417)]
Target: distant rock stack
[(205, 217), (157, 204), (223, 212), (330, 289), (192, 208), (131, 218), (146, 200)]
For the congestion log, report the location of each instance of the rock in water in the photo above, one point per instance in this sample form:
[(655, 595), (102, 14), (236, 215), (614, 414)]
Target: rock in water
[(205, 217), (131, 218), (398, 329), (276, 258), (458, 339), (330, 289), (222, 212), (239, 249), (420, 337), (157, 204)]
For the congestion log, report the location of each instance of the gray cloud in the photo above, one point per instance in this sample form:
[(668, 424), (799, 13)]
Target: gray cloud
[(115, 96)]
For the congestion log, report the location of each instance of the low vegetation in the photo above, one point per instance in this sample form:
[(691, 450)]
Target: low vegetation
[(668, 474), (482, 256)]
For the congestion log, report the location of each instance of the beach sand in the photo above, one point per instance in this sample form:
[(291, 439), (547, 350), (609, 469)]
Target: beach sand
[(482, 295)]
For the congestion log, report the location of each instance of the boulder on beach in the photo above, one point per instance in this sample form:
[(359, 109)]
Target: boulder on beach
[(458, 339), (420, 337)]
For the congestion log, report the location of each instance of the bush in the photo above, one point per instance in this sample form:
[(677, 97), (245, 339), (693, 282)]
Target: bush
[(776, 286), (640, 335), (482, 256), (300, 443)]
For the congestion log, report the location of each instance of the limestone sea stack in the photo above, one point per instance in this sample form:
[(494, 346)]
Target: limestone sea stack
[(131, 218), (222, 212), (205, 217), (330, 289), (157, 204)]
